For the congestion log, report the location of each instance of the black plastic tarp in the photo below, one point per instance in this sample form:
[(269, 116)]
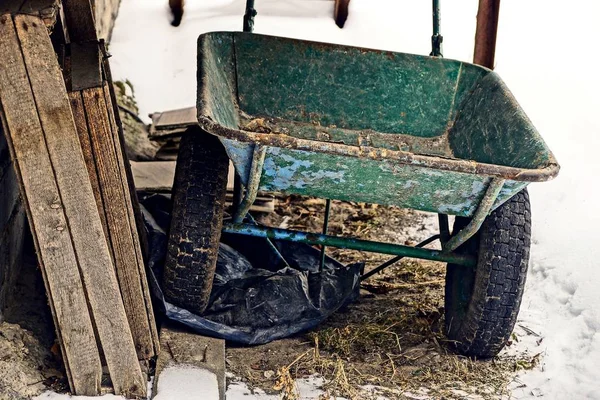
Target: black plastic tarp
[(263, 290)]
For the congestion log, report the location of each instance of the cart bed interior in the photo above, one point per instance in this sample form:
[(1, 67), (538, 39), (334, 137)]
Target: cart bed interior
[(366, 125)]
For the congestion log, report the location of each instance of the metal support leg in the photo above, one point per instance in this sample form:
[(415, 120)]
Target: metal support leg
[(482, 212), (258, 159), (238, 192), (325, 226), (444, 228)]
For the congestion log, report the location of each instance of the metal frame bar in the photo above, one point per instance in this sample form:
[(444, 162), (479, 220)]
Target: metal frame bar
[(256, 166), (394, 260), (481, 213), (349, 243), (325, 227), (444, 228)]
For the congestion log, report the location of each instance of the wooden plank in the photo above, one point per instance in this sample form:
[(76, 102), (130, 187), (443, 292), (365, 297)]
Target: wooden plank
[(10, 6), (80, 20), (95, 263), (183, 348), (48, 10), (86, 147), (47, 218), (132, 205), (117, 119), (158, 176), (175, 118), (154, 175), (117, 218)]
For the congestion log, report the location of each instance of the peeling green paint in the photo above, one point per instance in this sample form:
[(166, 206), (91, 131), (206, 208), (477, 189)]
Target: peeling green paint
[(366, 125)]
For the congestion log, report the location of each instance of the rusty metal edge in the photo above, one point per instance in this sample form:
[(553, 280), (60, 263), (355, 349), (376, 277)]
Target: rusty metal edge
[(402, 157)]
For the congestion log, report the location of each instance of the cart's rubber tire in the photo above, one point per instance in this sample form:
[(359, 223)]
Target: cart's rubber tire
[(199, 192), (482, 303)]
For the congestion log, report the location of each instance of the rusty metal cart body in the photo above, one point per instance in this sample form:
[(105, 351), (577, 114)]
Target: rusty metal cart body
[(355, 124)]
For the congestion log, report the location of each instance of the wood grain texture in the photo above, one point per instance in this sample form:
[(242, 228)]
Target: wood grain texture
[(88, 155), (132, 190), (486, 33), (135, 224), (95, 263), (80, 22), (117, 218), (47, 218)]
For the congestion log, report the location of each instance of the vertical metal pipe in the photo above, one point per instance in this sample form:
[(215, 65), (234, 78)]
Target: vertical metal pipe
[(249, 16), (444, 228), (238, 192), (436, 17), (436, 38), (485, 35), (325, 227)]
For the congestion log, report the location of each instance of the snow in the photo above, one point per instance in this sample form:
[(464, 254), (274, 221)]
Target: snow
[(546, 54), (186, 383)]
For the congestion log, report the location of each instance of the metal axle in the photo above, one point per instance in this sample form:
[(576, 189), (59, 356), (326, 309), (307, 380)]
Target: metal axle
[(349, 243)]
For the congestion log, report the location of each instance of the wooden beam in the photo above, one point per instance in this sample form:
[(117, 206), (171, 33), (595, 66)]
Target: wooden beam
[(116, 119), (47, 10), (485, 35), (136, 224), (80, 20), (76, 194), (124, 245), (88, 155), (47, 217)]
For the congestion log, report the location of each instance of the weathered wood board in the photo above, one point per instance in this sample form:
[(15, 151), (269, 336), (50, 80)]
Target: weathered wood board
[(47, 217), (47, 10), (104, 165), (75, 258), (157, 176)]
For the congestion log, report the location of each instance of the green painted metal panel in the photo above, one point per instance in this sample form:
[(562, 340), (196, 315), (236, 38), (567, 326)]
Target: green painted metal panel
[(491, 128), (366, 125), (347, 87), (371, 181)]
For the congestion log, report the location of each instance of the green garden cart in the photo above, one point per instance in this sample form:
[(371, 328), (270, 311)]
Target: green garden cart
[(355, 124)]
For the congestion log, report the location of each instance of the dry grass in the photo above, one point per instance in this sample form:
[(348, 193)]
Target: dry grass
[(392, 337)]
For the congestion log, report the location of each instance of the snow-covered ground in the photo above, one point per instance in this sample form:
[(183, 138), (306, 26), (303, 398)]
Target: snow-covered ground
[(546, 54)]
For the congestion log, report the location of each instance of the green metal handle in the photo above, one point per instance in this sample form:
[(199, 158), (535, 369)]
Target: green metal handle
[(249, 16), (436, 38)]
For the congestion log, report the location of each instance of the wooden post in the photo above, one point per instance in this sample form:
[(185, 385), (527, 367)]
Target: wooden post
[(485, 35), (340, 12)]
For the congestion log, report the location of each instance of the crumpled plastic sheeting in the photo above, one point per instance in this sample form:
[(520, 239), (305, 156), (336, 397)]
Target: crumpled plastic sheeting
[(263, 290)]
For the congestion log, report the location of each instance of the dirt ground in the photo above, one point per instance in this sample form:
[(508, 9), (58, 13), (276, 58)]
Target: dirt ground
[(29, 359), (392, 337)]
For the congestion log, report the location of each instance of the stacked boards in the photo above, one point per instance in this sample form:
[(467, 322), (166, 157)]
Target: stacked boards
[(84, 229)]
